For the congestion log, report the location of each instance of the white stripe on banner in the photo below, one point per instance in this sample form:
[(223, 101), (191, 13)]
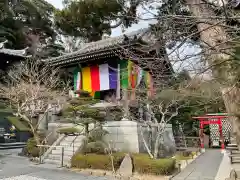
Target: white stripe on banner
[(78, 80), (104, 76)]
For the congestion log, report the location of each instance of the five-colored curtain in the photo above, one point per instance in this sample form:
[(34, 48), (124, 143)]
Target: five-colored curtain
[(104, 77)]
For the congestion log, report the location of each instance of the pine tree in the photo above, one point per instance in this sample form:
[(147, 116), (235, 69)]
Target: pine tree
[(80, 112)]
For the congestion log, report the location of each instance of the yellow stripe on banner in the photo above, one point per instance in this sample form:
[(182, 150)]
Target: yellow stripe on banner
[(148, 79), (86, 79)]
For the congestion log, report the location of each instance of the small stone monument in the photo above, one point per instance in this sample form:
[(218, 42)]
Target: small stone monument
[(126, 167)]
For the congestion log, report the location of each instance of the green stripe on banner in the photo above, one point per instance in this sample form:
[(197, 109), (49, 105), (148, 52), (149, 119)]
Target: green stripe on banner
[(75, 75), (124, 73), (97, 95)]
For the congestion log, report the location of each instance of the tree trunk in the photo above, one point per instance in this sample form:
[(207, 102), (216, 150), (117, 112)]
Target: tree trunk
[(156, 145), (214, 39), (231, 97), (146, 144), (35, 134), (37, 138), (86, 129)]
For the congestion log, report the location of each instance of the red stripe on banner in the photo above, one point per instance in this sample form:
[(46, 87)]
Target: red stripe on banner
[(95, 78), (133, 81), (134, 76)]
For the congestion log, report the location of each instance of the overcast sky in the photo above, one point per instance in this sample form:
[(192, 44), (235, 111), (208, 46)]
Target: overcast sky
[(116, 31)]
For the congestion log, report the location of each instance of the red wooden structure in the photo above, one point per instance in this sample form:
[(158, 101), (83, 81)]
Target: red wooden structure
[(211, 119)]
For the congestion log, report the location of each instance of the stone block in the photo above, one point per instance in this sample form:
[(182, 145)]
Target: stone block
[(126, 167)]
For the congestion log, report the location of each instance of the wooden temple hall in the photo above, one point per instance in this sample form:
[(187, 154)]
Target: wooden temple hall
[(104, 68), (10, 56), (11, 129)]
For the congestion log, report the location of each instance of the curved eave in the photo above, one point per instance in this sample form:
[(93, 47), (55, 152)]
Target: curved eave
[(90, 56)]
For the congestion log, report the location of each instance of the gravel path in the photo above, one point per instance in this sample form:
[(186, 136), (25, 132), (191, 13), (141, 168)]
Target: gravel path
[(17, 168), (205, 167)]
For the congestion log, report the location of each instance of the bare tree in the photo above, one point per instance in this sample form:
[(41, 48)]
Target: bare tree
[(31, 88), (171, 94), (209, 30)]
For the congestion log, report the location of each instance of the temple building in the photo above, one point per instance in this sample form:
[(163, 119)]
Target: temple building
[(113, 70), (107, 67), (10, 56), (11, 129)]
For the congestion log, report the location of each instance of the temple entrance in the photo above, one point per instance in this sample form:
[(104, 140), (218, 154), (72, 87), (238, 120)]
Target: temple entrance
[(219, 130)]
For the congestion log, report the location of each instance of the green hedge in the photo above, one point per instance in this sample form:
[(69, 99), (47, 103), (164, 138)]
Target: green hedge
[(68, 130), (32, 149), (96, 161), (142, 163), (18, 123)]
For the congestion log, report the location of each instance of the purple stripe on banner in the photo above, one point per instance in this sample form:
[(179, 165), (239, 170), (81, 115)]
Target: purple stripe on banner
[(112, 78)]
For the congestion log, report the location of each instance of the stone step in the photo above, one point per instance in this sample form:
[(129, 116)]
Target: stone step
[(67, 141), (76, 141), (58, 157), (65, 146), (70, 143), (236, 157), (70, 137), (59, 152), (51, 161), (68, 148)]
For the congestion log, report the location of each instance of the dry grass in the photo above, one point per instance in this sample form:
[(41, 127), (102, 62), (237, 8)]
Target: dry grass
[(180, 157)]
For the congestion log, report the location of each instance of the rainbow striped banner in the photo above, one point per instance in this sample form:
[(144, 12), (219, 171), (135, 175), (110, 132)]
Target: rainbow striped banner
[(95, 78), (126, 75)]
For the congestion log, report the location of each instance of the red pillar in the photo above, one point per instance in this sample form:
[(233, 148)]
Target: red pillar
[(220, 132), (201, 133)]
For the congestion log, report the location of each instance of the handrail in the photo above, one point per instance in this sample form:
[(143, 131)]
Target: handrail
[(60, 138), (62, 147), (40, 145), (73, 140)]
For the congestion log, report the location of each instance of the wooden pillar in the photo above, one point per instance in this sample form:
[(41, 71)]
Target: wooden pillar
[(126, 104), (201, 133)]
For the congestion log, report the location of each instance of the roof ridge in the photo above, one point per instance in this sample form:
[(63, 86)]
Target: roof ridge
[(99, 45), (86, 45)]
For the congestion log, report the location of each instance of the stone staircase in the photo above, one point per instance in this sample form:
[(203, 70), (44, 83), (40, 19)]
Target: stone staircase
[(66, 149)]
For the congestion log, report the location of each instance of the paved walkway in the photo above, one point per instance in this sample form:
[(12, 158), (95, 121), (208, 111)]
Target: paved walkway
[(19, 168), (205, 167), (225, 168)]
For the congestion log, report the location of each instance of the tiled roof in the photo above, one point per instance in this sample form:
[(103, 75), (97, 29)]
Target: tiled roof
[(90, 48), (20, 53)]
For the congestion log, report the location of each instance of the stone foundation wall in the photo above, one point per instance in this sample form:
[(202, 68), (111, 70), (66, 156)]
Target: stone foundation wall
[(127, 136)]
